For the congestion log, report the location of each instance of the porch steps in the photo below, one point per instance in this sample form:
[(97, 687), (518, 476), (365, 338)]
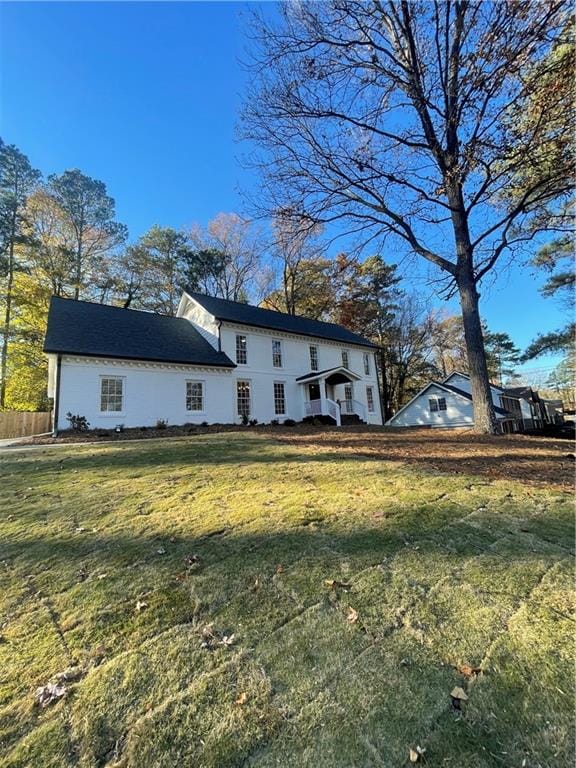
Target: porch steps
[(347, 419)]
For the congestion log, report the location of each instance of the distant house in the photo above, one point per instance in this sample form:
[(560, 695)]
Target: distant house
[(217, 361), (448, 403)]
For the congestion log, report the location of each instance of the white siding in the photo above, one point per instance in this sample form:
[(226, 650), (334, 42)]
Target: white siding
[(295, 362), (458, 413), (203, 321), (151, 392)]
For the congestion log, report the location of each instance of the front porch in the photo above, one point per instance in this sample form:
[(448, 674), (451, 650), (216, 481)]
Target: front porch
[(331, 393)]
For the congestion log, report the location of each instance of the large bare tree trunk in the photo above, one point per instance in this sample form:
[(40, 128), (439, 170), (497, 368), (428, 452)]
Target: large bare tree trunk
[(484, 418)]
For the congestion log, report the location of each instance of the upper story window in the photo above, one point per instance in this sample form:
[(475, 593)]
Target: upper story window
[(370, 399), (437, 404), (111, 394), (345, 360), (313, 358), (194, 396), (276, 353), (241, 349), (366, 364)]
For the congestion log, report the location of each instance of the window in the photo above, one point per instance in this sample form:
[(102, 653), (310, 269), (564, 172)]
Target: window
[(243, 398), (313, 358), (349, 398), (111, 394), (276, 353), (241, 350), (366, 364), (345, 358), (194, 396), (437, 404), (279, 398), (370, 399)]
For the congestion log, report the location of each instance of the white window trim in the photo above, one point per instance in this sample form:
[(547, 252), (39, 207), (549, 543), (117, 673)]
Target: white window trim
[(195, 381), (239, 415), (278, 381), (310, 347), (110, 414), (278, 367), (373, 409), (245, 336)]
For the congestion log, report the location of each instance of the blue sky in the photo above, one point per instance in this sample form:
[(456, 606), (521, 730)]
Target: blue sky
[(145, 97)]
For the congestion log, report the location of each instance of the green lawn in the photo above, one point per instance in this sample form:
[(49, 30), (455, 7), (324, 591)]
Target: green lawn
[(246, 535)]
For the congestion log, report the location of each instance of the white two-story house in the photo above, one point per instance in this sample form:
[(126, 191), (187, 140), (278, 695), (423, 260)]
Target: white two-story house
[(217, 361)]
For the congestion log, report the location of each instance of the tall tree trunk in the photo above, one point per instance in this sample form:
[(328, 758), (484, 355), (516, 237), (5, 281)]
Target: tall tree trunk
[(484, 417), (7, 314), (385, 386)]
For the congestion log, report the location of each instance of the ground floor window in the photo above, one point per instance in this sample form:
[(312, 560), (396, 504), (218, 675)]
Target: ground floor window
[(243, 398), (194, 396), (111, 394), (370, 399), (279, 398), (437, 404)]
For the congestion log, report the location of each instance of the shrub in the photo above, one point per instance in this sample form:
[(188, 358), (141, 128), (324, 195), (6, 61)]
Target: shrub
[(161, 423), (78, 423), (275, 422), (253, 422), (244, 420), (204, 424), (289, 423)]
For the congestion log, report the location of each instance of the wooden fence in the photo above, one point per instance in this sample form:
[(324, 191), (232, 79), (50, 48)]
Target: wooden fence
[(23, 423)]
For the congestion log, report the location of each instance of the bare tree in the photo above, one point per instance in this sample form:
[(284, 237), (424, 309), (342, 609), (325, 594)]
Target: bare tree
[(397, 118), (240, 245)]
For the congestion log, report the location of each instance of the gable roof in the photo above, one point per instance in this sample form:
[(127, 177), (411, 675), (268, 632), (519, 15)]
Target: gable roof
[(448, 388), (467, 376), (246, 314), (99, 330)]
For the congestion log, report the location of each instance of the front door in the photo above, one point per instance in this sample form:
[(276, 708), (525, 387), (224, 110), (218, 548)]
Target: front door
[(314, 391)]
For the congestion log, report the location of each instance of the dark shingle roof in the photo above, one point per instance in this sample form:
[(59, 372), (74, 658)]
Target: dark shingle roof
[(98, 330), (245, 314), (468, 396)]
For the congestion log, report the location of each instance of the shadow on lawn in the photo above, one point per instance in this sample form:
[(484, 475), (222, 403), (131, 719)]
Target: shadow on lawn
[(517, 463)]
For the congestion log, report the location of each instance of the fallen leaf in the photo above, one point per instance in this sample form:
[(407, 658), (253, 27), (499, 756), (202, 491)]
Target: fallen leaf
[(141, 605), (279, 569), (242, 699), (227, 640), (192, 561), (416, 754), (48, 694), (333, 584), (102, 575), (351, 615), (404, 662), (160, 551), (468, 671), (458, 696)]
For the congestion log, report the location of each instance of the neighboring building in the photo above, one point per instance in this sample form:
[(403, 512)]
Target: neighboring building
[(449, 404), (443, 405), (216, 362)]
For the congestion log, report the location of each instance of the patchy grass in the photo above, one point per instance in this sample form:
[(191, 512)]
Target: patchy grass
[(274, 543)]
